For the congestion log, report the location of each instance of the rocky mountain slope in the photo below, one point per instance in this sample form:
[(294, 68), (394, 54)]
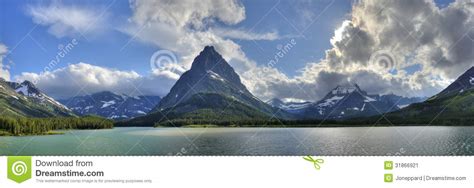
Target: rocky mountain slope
[(111, 105), (210, 91), (345, 102), (26, 100), (452, 106)]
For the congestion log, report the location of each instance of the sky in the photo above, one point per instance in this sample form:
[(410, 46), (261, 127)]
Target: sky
[(287, 49)]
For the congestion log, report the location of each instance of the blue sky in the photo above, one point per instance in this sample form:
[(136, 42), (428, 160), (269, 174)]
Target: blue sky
[(31, 52), (117, 39)]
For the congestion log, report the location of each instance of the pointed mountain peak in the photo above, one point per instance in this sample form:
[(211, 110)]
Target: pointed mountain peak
[(209, 49), (210, 59), (345, 89), (26, 88), (209, 73), (29, 84)]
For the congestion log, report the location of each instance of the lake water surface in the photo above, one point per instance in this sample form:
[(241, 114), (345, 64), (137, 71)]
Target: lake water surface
[(420, 140)]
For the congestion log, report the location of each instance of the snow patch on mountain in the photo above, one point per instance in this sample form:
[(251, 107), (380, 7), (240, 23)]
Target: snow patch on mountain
[(112, 105), (293, 100), (350, 101), (215, 76), (140, 112), (107, 104), (403, 106), (289, 104), (331, 101), (369, 99), (23, 89), (26, 88), (343, 90)]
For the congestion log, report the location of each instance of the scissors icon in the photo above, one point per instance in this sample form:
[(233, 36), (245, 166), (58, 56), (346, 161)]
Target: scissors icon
[(315, 162)]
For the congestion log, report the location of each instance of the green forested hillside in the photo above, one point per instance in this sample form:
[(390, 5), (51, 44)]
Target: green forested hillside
[(37, 126), (449, 110)]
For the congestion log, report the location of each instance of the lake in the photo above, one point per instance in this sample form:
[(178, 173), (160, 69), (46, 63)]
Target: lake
[(416, 140)]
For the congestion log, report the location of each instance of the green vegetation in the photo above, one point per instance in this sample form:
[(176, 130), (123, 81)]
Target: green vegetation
[(16, 105), (24, 107), (447, 110), (246, 123), (205, 108), (208, 110), (45, 126)]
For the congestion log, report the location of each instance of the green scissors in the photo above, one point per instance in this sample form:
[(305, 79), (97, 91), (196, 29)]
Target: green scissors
[(315, 162)]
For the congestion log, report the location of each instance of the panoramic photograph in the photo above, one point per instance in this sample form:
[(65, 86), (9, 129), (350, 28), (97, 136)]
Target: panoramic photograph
[(237, 78)]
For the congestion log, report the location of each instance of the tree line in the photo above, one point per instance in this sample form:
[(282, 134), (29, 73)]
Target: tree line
[(37, 126), (357, 122)]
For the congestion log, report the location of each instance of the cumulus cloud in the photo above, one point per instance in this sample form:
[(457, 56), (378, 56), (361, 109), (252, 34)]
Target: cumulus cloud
[(195, 25), (406, 47), (381, 42), (4, 69), (83, 78), (184, 32), (183, 13), (67, 20)]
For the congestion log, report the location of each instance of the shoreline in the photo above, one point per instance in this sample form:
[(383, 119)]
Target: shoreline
[(304, 126), (62, 132)]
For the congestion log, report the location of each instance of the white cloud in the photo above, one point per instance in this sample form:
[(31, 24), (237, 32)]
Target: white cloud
[(68, 20), (68, 81), (4, 70), (157, 22), (185, 13), (187, 31), (244, 35), (373, 48)]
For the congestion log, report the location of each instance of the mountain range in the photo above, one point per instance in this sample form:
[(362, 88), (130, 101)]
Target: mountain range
[(345, 102), (211, 74), (211, 92), (26, 100), (111, 105)]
